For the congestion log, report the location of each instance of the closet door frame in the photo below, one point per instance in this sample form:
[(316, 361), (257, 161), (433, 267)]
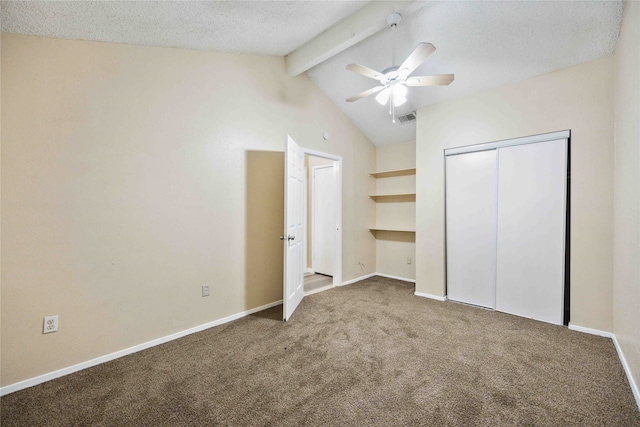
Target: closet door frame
[(566, 135)]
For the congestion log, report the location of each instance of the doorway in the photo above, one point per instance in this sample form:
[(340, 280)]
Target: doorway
[(321, 225)]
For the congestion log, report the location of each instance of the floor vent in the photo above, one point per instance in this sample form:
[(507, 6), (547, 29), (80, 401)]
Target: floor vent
[(407, 118)]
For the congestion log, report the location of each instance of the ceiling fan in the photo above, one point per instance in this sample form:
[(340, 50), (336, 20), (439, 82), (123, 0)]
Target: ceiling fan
[(395, 79)]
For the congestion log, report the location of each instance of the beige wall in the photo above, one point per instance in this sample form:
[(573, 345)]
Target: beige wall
[(393, 249), (626, 284), (579, 98), (134, 175)]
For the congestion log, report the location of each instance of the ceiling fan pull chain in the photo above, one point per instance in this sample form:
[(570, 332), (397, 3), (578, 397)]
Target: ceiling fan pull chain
[(393, 108), (390, 103)]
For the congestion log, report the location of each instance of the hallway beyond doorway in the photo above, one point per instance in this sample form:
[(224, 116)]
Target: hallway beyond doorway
[(316, 282)]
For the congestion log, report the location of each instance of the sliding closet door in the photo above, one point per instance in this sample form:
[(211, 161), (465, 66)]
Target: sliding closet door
[(531, 230), (471, 193)]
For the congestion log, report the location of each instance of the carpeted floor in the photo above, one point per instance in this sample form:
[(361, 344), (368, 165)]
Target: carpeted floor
[(370, 353)]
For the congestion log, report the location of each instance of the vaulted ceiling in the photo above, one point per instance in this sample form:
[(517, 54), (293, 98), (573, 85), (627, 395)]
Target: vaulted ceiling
[(485, 44)]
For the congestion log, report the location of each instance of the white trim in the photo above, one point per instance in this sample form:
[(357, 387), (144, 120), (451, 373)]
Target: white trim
[(116, 355), (320, 154), (337, 265), (435, 297), (309, 270), (357, 279), (634, 386), (627, 370), (590, 331), (366, 276), (305, 259), (564, 134), (404, 279), (327, 166)]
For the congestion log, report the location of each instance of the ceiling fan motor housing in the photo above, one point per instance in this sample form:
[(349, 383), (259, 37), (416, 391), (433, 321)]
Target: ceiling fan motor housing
[(390, 74)]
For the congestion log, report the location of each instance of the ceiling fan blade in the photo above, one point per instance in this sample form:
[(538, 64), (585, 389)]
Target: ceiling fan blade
[(367, 72), (436, 80), (417, 57), (365, 93)]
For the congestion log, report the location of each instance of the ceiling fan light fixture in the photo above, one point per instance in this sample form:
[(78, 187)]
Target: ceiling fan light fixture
[(399, 90), (383, 96), (398, 100)]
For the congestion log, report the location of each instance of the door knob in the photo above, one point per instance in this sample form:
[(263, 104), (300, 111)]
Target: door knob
[(288, 237), (291, 237)]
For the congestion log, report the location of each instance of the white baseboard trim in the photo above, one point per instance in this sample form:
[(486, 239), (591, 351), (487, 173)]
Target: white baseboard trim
[(108, 357), (357, 279), (309, 271), (590, 331), (404, 279), (435, 297), (366, 276), (627, 370), (625, 365)]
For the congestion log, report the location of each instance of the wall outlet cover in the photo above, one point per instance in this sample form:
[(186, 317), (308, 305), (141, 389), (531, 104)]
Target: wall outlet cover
[(50, 324)]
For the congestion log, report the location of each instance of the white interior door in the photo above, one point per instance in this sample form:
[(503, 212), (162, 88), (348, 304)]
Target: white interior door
[(294, 201), (471, 204), (531, 230), (324, 218)]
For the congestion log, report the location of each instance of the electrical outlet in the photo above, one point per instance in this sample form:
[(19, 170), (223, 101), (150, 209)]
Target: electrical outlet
[(205, 290), (50, 324), (408, 260)]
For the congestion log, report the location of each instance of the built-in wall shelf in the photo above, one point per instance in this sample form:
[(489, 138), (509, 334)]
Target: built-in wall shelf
[(398, 172), (399, 233), (395, 230), (404, 197)]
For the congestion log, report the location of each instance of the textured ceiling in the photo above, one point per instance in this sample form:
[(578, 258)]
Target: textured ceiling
[(485, 44), (262, 27)]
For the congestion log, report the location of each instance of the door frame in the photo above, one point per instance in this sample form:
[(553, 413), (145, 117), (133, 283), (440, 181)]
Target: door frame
[(337, 256)]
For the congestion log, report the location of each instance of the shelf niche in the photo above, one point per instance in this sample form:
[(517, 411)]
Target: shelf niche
[(393, 233), (394, 230), (398, 172), (403, 197)]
